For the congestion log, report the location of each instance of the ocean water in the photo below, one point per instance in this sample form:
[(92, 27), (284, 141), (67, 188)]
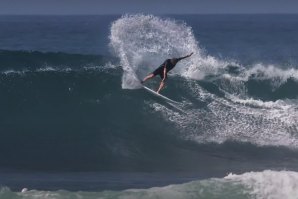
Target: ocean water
[(75, 123)]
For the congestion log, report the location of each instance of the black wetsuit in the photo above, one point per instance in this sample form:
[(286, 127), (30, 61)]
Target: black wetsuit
[(160, 70)]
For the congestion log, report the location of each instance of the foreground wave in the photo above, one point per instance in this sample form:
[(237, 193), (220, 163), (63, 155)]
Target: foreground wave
[(266, 184), (99, 126)]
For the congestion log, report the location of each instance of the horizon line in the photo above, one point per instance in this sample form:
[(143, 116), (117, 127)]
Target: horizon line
[(145, 13)]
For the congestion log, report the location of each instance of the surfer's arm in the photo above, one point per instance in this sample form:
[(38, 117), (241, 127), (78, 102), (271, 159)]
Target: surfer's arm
[(184, 57)]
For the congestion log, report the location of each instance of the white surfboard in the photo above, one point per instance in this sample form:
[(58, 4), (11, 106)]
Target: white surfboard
[(159, 95)]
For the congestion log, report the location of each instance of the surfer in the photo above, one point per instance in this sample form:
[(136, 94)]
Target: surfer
[(163, 69)]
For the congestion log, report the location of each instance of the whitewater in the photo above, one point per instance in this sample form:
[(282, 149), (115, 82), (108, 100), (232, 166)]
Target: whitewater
[(142, 41), (266, 184)]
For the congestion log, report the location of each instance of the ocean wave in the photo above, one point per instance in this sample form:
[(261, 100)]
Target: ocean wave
[(89, 100), (260, 85), (153, 40), (220, 102), (275, 75), (107, 66), (260, 71), (265, 184), (285, 105), (239, 118), (16, 60), (269, 184)]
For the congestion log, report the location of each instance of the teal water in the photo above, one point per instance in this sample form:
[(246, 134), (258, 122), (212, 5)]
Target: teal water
[(71, 105)]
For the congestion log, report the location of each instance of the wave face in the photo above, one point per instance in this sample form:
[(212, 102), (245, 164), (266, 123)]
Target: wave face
[(100, 126), (254, 104), (266, 184), (78, 112)]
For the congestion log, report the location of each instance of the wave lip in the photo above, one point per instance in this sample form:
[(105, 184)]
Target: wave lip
[(143, 42)]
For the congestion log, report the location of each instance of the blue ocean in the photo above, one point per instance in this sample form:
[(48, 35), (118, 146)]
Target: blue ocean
[(75, 121)]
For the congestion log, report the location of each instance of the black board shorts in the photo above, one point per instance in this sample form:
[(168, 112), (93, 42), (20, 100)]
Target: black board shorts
[(159, 71)]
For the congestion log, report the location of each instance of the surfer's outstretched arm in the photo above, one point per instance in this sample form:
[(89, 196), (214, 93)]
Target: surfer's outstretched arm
[(184, 57), (162, 83)]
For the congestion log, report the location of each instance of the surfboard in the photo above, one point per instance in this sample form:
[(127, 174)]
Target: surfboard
[(159, 95)]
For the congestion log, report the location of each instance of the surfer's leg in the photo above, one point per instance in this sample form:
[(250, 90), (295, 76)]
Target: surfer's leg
[(148, 77), (162, 84), (158, 71)]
